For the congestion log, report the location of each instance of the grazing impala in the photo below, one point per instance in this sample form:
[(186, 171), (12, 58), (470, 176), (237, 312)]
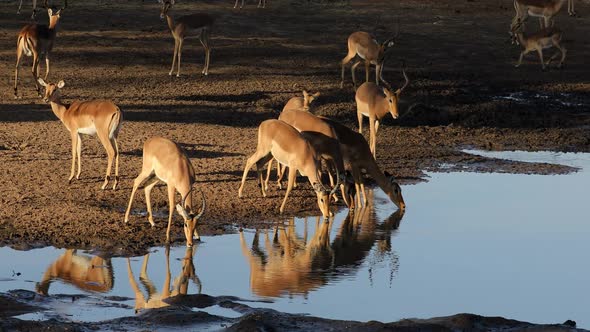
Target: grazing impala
[(323, 139), (545, 10), (36, 40), (357, 153), (301, 103), (542, 39), (283, 142), (167, 162), (372, 53), (375, 102), (188, 26), (100, 117)]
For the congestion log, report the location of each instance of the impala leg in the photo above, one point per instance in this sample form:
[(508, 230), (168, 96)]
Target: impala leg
[(236, 4), (171, 212), (259, 167), (174, 56), (268, 169), (563, 53), (35, 71), (46, 66), (365, 200), (281, 169), (19, 53), (145, 173), (367, 71), (291, 181), (359, 117), (372, 135), (540, 51), (74, 148), (522, 54), (353, 70), (148, 201), (343, 63), (79, 152), (116, 146), (180, 42), (249, 163), (375, 139), (107, 143), (378, 69), (207, 40)]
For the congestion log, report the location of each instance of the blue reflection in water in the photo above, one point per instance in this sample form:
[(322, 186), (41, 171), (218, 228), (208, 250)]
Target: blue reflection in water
[(491, 244)]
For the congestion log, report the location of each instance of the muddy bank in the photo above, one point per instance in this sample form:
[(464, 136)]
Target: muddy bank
[(464, 92), (184, 313)]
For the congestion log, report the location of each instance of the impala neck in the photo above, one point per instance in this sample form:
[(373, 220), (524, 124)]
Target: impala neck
[(58, 108), (170, 22), (372, 169), (520, 37), (382, 109)]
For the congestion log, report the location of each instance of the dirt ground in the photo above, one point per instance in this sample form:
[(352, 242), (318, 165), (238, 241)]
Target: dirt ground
[(459, 61)]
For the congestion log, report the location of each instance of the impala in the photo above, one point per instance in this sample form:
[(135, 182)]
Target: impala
[(542, 39), (164, 160), (357, 153), (375, 102), (95, 117), (545, 10), (372, 53), (301, 103), (188, 26), (283, 142), (323, 139), (89, 273), (36, 40), (159, 299), (261, 4)]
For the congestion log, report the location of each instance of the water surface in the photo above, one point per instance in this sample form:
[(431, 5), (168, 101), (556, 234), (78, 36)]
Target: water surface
[(491, 244)]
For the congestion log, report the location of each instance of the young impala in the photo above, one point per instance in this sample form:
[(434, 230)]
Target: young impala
[(164, 160), (375, 102), (283, 142), (36, 40), (95, 117), (188, 26), (372, 53), (542, 39), (357, 153), (545, 10), (301, 103)]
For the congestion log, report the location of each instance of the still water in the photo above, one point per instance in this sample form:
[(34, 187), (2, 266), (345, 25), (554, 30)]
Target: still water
[(492, 244)]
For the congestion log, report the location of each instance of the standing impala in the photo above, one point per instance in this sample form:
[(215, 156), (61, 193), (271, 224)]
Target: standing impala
[(542, 39), (166, 161), (301, 103), (188, 26), (36, 40), (375, 102), (283, 142), (100, 117), (357, 153), (372, 53), (545, 10)]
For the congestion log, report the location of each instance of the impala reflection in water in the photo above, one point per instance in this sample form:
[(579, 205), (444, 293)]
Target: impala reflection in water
[(157, 299), (288, 264), (87, 273)]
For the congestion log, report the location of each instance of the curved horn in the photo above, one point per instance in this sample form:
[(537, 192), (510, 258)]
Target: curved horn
[(186, 196), (405, 76), (203, 206), (337, 182)]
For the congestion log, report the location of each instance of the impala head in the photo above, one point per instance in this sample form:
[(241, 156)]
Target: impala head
[(308, 99), (393, 97), (51, 90), (323, 195), (395, 192), (166, 5), (190, 216), (348, 188), (514, 32)]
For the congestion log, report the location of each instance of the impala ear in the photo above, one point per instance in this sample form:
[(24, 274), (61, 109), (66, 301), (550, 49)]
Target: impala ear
[(182, 211), (41, 82), (315, 95), (305, 93), (50, 12), (61, 84)]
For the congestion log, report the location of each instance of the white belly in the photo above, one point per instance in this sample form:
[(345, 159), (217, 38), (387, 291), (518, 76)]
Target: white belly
[(87, 131)]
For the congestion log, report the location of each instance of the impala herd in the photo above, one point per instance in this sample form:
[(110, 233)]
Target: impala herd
[(298, 140)]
